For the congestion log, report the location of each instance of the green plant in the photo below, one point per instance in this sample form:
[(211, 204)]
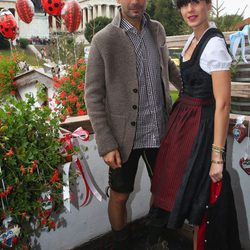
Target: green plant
[(234, 69), (70, 90), (23, 43), (8, 70), (64, 48), (29, 159), (94, 26)]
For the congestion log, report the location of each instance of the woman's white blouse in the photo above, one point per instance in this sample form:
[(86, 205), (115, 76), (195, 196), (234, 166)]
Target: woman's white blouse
[(215, 56)]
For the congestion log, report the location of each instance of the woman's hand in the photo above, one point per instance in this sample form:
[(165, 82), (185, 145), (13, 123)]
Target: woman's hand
[(215, 172)]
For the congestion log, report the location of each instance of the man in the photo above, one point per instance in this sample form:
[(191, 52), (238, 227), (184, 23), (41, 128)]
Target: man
[(127, 97)]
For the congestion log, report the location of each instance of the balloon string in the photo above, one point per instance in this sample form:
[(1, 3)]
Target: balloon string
[(11, 49), (74, 42), (58, 50)]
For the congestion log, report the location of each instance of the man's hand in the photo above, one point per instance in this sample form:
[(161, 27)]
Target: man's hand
[(113, 159)]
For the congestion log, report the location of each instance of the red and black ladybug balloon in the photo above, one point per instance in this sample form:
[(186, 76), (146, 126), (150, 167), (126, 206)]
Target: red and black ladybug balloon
[(25, 10), (71, 13), (8, 26), (53, 7)]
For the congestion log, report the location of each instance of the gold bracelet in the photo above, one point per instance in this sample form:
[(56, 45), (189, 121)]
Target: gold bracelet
[(217, 150), (218, 147), (217, 162)]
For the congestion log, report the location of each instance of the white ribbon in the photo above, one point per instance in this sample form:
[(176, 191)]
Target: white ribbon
[(238, 38), (66, 193), (86, 169)]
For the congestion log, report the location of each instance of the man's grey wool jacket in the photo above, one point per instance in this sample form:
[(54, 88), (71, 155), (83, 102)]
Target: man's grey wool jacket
[(111, 90)]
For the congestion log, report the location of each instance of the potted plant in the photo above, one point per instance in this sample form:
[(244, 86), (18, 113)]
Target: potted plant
[(30, 178)]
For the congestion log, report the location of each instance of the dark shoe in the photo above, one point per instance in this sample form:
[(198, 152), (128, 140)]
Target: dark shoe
[(160, 245), (157, 220), (121, 240), (122, 245)]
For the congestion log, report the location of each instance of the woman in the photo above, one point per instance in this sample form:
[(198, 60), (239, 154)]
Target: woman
[(191, 159)]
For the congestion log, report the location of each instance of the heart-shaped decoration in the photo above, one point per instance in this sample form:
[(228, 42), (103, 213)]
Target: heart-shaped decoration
[(9, 233), (245, 164), (239, 132)]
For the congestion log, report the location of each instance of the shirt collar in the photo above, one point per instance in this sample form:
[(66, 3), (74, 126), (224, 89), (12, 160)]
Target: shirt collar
[(127, 26)]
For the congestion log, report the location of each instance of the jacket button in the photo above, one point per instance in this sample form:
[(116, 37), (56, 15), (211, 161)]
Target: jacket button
[(133, 124), (134, 107), (135, 90)]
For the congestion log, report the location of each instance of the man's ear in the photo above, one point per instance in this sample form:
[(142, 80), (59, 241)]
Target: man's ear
[(210, 7)]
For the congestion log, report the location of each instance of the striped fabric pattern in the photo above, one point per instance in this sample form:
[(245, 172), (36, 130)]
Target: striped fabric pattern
[(150, 126)]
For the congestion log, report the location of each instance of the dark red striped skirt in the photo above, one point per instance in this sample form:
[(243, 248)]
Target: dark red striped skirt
[(183, 161)]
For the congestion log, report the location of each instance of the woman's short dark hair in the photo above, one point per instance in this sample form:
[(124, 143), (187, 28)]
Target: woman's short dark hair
[(181, 3)]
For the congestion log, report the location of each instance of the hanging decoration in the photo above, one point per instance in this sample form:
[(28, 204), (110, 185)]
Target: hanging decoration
[(245, 164), (71, 13), (53, 7), (237, 40), (71, 141), (25, 10), (245, 161), (8, 26), (9, 233), (239, 130)]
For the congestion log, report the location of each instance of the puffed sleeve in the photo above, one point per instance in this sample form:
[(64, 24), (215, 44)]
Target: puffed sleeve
[(215, 56)]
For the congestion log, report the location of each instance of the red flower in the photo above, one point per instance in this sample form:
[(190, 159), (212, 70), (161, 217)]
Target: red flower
[(69, 110), (22, 169), (44, 221), (76, 74), (57, 101), (52, 224), (80, 60), (63, 95), (81, 112), (80, 87), (12, 92), (9, 153), (7, 191), (55, 177), (14, 83), (34, 166)]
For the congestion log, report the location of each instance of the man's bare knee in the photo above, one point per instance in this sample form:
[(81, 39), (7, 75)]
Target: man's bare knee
[(120, 198)]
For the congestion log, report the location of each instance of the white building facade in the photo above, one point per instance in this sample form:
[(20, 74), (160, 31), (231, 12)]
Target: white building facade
[(42, 25), (94, 8)]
